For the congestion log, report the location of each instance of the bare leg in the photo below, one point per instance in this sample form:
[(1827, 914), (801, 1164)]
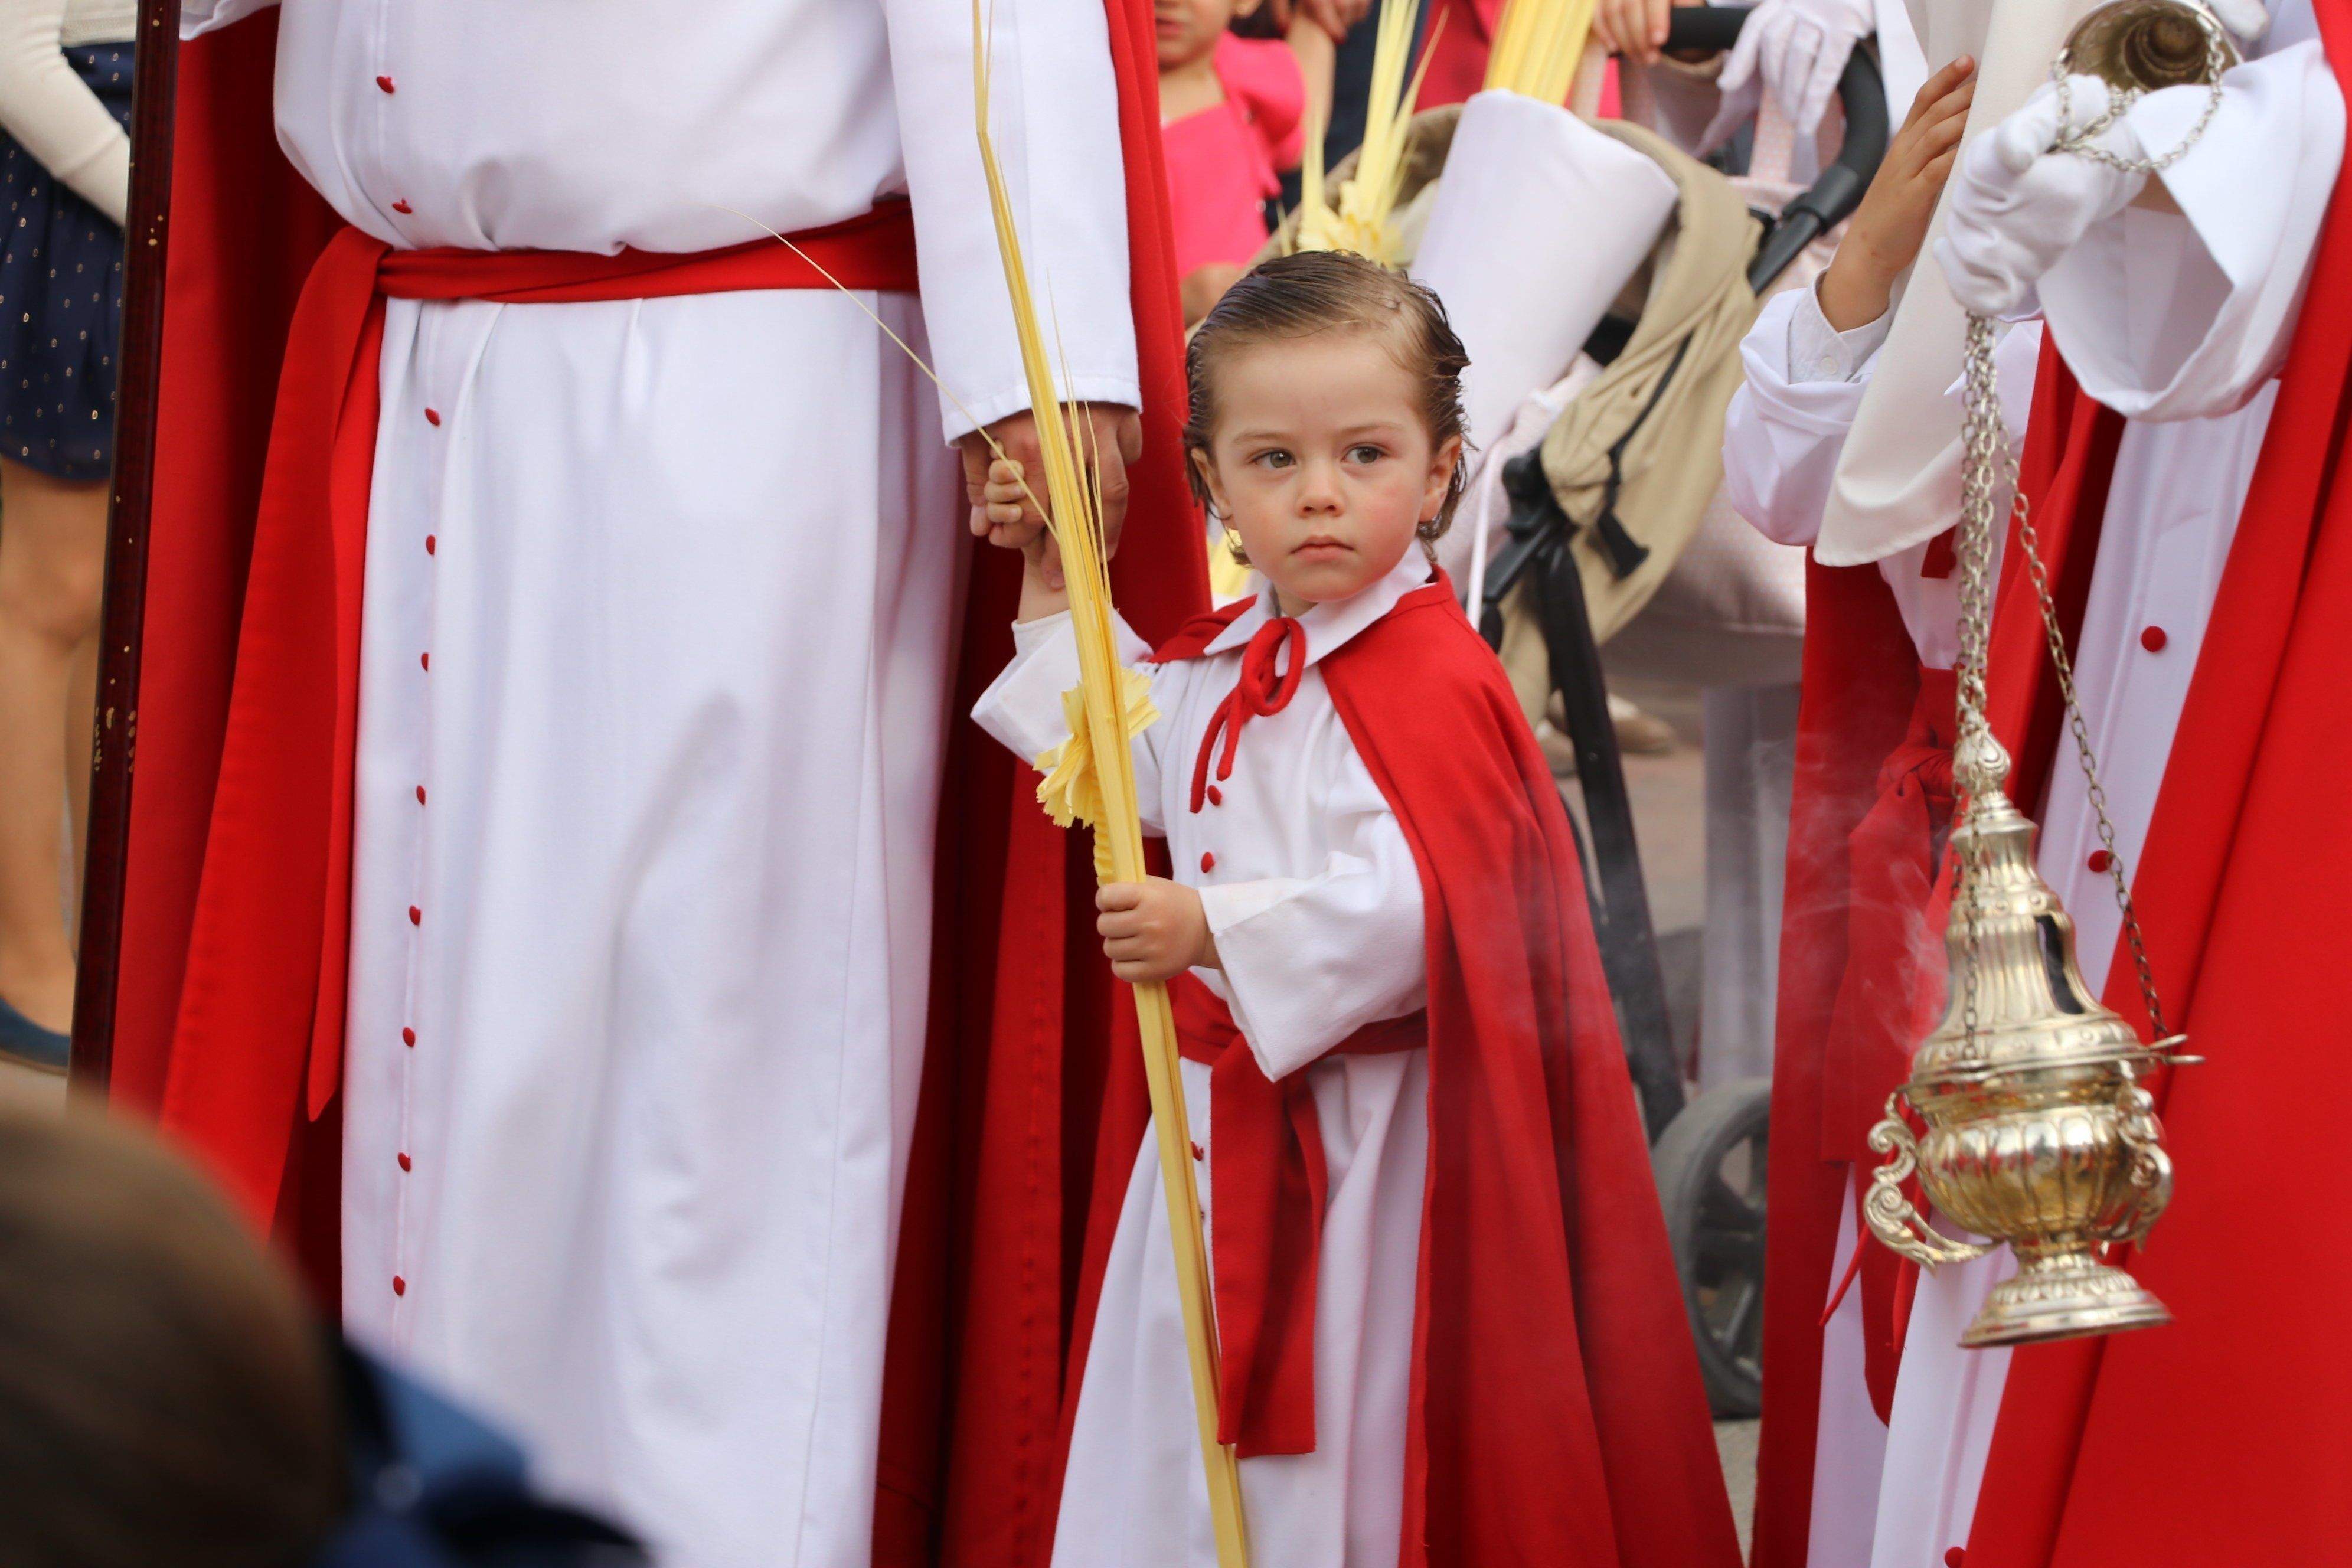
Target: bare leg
[(52, 558), (81, 729)]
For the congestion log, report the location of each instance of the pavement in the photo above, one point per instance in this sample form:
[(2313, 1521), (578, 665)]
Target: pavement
[(1670, 824)]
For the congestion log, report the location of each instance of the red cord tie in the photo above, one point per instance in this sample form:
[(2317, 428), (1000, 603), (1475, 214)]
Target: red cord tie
[(1266, 686)]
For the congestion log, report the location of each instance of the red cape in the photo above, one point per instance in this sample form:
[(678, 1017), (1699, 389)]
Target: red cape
[(989, 1242), (1557, 1413), (2223, 1438), (1860, 678)]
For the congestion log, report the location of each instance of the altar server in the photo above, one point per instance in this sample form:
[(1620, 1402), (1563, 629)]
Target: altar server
[(2194, 524), (1420, 1149), (571, 861)]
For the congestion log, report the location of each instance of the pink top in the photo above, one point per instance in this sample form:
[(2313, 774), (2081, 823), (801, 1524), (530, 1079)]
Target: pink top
[(1223, 162)]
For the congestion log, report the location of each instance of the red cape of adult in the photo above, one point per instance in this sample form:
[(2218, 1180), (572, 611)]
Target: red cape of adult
[(1001, 1166), (1557, 1413), (2223, 1438), (1861, 679)]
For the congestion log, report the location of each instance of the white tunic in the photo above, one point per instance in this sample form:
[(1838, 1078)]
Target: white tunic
[(2116, 304), (1316, 909), (642, 857)]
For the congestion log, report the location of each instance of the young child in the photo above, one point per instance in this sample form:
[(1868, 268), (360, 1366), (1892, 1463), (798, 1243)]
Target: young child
[(1450, 1327), (1233, 117)]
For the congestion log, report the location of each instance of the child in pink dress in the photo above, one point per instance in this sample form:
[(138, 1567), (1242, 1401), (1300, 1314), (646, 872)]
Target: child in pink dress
[(1233, 117)]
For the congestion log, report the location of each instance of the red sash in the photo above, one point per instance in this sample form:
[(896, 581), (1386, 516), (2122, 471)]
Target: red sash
[(278, 857), (1268, 1182)]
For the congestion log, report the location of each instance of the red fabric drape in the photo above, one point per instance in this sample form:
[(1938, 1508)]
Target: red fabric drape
[(1557, 1414), (988, 1244), (2222, 1438)]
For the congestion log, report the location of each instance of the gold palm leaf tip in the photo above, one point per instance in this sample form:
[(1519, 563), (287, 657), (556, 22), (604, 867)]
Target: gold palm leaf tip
[(1360, 219)]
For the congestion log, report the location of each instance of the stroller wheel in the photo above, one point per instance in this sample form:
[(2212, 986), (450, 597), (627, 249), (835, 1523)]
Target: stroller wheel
[(1710, 1166)]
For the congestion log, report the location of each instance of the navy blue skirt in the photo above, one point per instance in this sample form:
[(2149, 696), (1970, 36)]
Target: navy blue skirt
[(61, 300)]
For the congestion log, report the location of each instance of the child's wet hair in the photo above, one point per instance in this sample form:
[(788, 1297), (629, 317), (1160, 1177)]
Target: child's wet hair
[(1316, 291)]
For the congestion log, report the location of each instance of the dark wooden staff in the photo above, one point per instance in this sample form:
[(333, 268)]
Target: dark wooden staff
[(114, 754)]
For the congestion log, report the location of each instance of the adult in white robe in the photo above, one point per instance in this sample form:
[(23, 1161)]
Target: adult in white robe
[(2176, 321), (1313, 896), (656, 647)]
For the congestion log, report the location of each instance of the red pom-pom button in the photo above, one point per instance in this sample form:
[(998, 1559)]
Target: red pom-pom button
[(2100, 860), (2153, 639), (385, 83), (425, 661), (420, 795), (404, 1161), (432, 544), (399, 1285), (415, 915), (402, 207), (1216, 795), (1955, 1557), (408, 1038), (433, 417), (1199, 1153), (1208, 862)]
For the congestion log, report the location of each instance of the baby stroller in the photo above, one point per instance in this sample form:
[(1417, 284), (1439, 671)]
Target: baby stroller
[(1619, 479)]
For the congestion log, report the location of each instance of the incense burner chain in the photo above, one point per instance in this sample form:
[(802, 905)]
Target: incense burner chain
[(2038, 1131)]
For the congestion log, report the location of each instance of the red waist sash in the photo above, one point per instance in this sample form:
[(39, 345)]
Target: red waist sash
[(276, 875), (1268, 1185)]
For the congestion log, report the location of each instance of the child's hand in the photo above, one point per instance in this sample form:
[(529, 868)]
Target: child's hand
[(1002, 504), (1154, 930), (1888, 227)]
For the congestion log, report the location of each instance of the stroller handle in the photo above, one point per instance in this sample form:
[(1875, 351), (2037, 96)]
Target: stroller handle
[(1861, 94)]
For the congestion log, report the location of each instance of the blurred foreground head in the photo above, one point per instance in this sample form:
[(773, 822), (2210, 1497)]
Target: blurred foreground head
[(165, 1397)]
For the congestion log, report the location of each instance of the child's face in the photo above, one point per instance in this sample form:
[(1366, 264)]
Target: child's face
[(1187, 30), (1322, 462)]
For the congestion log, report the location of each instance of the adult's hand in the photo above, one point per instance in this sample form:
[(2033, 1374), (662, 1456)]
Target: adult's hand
[(1334, 16), (1633, 29), (1110, 435), (2017, 206), (1796, 50)]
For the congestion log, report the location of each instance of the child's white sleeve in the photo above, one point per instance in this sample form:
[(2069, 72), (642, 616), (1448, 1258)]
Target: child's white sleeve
[(1309, 961), (1022, 707), (1788, 422)]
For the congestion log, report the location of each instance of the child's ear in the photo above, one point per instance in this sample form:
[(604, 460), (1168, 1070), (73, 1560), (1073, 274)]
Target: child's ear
[(1441, 464), (1208, 472)]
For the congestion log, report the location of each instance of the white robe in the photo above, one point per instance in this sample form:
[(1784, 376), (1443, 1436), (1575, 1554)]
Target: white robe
[(687, 570), (2175, 318), (1316, 909)]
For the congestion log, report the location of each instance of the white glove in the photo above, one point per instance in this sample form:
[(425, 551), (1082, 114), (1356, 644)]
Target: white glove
[(2016, 207), (1803, 46)]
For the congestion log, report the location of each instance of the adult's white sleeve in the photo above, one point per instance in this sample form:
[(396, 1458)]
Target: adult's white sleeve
[(1309, 961), (1022, 707), (200, 17), (1789, 420), (57, 119), (2186, 315), (1054, 113)]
